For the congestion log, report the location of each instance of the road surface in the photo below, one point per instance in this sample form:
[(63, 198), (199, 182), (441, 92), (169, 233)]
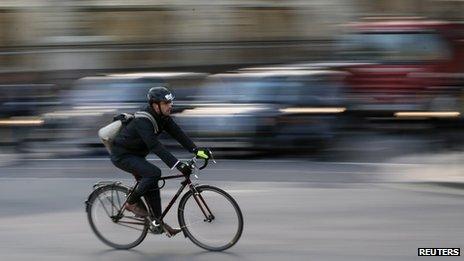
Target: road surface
[(293, 209)]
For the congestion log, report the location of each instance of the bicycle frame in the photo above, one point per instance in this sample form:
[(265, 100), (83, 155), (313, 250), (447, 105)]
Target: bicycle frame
[(187, 182), (196, 195)]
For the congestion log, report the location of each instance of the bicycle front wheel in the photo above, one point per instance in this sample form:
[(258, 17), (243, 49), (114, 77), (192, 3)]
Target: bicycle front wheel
[(121, 232), (210, 218)]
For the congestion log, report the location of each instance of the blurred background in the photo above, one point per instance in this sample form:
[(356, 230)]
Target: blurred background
[(321, 79), (337, 124)]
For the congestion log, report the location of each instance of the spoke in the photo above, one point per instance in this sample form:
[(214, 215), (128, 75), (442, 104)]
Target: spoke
[(103, 205), (119, 201), (135, 218), (111, 201), (191, 223), (123, 225), (131, 222), (213, 222), (112, 204)]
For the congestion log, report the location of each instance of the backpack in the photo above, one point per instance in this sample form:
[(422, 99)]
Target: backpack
[(109, 132)]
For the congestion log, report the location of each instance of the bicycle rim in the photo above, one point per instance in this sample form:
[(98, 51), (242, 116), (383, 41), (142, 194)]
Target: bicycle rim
[(127, 232), (218, 234)]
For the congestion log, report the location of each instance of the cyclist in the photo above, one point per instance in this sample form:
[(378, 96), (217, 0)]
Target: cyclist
[(134, 142)]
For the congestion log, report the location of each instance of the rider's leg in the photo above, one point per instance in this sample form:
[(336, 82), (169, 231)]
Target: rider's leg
[(148, 175), (153, 198)]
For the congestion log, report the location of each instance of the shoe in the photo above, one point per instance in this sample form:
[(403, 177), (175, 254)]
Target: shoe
[(138, 211), (158, 227), (170, 232)]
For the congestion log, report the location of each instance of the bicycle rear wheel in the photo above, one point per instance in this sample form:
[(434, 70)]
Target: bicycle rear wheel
[(123, 232), (216, 225)]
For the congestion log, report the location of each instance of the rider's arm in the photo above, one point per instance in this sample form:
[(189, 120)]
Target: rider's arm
[(176, 132), (145, 129)]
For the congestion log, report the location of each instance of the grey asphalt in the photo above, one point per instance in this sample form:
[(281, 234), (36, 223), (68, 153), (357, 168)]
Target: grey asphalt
[(293, 209)]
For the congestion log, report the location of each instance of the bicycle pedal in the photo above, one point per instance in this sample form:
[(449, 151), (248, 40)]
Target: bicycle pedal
[(166, 232), (171, 234)]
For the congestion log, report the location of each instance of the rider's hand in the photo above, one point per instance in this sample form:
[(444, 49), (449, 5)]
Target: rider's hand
[(184, 168), (202, 153)]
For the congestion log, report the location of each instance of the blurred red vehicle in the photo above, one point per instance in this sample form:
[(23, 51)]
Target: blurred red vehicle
[(409, 68)]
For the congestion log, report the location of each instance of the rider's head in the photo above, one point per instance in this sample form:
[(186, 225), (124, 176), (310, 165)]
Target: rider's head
[(160, 99)]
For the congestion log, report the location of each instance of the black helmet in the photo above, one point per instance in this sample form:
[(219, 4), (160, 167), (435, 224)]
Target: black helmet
[(159, 94)]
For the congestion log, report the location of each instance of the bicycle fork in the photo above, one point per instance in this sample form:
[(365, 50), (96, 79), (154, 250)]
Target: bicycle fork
[(209, 217)]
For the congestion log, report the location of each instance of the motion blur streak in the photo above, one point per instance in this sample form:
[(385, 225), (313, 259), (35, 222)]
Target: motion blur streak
[(444, 114), (223, 111), (313, 110), (21, 122)]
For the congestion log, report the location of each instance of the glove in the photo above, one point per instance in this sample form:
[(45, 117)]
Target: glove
[(184, 168), (202, 153)]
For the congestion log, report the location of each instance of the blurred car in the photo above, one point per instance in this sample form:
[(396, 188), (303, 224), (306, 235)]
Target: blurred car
[(281, 109), (93, 101), (412, 68), (21, 106)]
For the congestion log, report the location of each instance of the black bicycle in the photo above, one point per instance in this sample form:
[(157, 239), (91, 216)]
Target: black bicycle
[(207, 215)]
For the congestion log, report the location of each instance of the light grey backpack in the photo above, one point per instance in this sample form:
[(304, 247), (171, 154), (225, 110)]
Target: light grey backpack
[(109, 132)]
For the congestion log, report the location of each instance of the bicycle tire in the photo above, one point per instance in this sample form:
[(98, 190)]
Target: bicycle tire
[(91, 210), (210, 193)]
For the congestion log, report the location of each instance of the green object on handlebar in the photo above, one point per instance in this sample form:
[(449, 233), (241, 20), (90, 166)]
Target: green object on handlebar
[(202, 154)]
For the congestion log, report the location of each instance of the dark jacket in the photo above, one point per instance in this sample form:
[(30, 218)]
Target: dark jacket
[(138, 138)]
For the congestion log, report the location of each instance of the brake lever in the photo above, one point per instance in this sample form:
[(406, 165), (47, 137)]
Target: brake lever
[(194, 166), (211, 153)]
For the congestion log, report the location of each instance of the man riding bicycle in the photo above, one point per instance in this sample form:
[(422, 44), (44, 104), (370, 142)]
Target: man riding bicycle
[(135, 141)]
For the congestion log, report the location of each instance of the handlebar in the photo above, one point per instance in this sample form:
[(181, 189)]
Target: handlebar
[(192, 162)]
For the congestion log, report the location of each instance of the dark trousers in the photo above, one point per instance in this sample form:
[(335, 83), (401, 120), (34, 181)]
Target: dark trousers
[(147, 174)]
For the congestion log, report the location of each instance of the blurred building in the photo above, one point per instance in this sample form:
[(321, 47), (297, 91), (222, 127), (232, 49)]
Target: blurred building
[(101, 34), (47, 44)]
